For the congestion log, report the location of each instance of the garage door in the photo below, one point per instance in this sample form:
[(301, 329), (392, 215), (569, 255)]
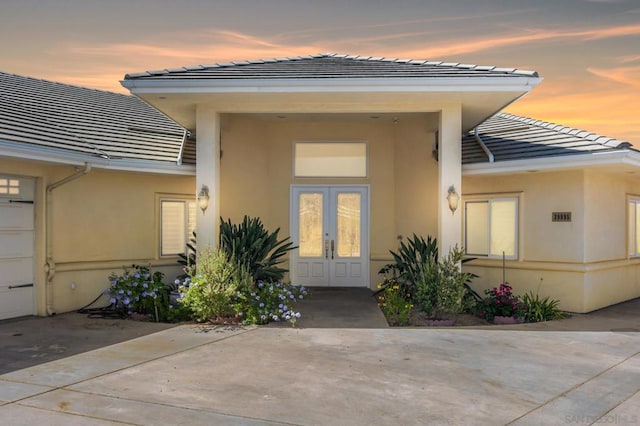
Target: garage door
[(16, 246)]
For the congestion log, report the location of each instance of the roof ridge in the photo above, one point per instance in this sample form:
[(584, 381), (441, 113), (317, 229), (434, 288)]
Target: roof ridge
[(559, 128), (416, 62)]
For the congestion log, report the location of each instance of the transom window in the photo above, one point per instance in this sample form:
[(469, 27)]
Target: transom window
[(330, 159), (177, 222), (9, 187), (491, 227)]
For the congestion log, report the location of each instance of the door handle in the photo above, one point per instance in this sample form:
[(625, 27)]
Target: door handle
[(20, 286), (332, 248), (326, 249)]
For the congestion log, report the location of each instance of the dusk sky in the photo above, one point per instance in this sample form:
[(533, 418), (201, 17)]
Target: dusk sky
[(587, 51)]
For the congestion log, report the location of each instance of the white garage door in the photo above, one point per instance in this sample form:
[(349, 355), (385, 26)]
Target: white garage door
[(16, 246)]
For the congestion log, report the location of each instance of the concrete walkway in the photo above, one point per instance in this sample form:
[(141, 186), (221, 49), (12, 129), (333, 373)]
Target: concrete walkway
[(232, 375)]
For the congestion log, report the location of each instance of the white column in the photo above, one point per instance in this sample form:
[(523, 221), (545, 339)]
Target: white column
[(208, 173), (449, 173)]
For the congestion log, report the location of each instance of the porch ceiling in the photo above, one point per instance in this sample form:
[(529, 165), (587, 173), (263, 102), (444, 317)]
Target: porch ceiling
[(476, 105)]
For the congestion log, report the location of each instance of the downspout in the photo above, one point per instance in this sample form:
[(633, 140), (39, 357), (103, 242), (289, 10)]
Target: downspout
[(184, 141), (484, 147), (50, 266)]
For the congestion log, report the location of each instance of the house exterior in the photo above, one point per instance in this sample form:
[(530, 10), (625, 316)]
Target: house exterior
[(346, 154)]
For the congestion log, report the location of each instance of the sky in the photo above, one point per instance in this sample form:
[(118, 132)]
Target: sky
[(587, 51)]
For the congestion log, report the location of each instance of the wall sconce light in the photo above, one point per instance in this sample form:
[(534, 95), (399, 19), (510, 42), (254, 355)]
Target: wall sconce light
[(203, 198), (453, 198)]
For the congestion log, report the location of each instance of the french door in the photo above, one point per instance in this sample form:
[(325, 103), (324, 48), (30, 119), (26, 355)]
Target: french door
[(329, 224)]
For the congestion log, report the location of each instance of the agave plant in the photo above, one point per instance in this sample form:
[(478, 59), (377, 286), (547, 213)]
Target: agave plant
[(253, 247), (410, 261), (188, 259), (416, 261)]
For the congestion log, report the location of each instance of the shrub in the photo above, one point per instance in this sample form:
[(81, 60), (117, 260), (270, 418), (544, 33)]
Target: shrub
[(394, 303), (269, 301), (210, 291), (501, 302), (441, 289), (188, 259), (538, 309), (254, 248), (410, 262), (137, 291)]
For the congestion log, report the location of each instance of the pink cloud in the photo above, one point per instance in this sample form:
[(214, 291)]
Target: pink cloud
[(625, 75)]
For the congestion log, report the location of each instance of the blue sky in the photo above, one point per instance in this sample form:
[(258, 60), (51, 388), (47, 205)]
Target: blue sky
[(588, 52)]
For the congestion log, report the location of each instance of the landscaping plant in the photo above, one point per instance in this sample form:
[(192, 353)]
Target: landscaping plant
[(269, 301), (394, 303), (502, 302), (210, 291), (539, 309), (188, 259), (138, 291), (410, 262), (254, 248)]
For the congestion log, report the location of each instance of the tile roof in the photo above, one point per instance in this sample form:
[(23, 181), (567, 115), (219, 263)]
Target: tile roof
[(511, 137), (45, 115), (329, 65)]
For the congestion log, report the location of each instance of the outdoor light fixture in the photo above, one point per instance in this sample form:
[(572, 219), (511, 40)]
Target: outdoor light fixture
[(203, 198), (453, 198)]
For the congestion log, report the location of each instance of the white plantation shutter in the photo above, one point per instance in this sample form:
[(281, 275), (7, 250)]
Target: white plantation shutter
[(173, 227)]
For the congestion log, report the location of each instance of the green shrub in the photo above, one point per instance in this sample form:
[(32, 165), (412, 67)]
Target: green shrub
[(188, 259), (441, 288), (410, 262), (136, 291), (210, 292), (538, 309), (394, 303), (254, 248)]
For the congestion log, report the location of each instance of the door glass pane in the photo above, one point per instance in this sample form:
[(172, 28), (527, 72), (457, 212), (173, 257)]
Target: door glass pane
[(503, 228), (477, 228), (348, 224), (310, 225)]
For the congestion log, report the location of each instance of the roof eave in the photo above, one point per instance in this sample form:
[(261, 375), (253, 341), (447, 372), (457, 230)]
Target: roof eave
[(318, 85), (14, 150), (594, 159)]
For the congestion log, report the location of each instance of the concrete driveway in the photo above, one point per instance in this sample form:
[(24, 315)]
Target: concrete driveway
[(231, 375)]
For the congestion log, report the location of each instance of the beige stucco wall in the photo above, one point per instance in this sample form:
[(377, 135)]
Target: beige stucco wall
[(100, 222), (257, 172), (582, 263)]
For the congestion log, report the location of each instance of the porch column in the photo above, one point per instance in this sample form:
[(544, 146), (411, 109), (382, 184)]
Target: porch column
[(449, 174), (208, 174)]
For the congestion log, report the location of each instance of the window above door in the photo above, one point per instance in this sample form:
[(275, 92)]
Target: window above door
[(330, 159)]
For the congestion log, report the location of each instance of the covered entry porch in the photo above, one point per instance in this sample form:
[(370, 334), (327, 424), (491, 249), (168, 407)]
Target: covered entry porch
[(395, 193)]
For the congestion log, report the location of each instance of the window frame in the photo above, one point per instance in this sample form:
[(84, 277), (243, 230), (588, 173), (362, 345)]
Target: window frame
[(490, 200), (322, 142), (633, 248), (187, 201)]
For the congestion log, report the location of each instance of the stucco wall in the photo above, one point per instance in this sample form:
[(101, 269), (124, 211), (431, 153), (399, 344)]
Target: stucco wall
[(257, 172), (582, 263)]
